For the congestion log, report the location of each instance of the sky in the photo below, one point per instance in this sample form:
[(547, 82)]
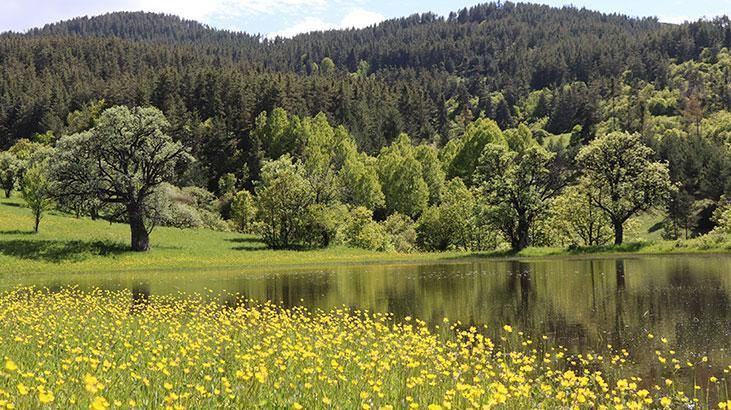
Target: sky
[(289, 17)]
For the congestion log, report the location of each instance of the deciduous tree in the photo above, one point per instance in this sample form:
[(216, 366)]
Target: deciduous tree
[(37, 192), (123, 160), (621, 178)]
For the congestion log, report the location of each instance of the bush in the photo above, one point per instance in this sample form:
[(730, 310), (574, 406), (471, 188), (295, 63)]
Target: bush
[(323, 223), (189, 207), (243, 211), (362, 232), (282, 200), (401, 232), (431, 234)]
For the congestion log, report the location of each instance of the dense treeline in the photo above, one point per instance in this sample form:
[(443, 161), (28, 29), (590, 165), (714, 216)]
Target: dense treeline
[(426, 71), (491, 126)]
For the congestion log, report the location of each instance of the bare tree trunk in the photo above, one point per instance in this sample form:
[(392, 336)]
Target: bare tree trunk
[(521, 240), (140, 236), (618, 233), (37, 221)]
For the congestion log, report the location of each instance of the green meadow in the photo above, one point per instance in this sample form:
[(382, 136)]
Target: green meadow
[(68, 244)]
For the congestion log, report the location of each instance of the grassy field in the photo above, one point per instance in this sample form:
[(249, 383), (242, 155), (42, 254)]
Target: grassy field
[(110, 349), (68, 244)]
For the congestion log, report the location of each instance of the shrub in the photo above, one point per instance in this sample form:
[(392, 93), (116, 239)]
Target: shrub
[(362, 232), (431, 234), (323, 223), (401, 232)]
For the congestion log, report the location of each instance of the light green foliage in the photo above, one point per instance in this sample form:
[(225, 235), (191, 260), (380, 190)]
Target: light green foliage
[(9, 171), (621, 179), (516, 189), (334, 168), (402, 178), (459, 212), (575, 220), (282, 200), (449, 152), (189, 207), (717, 128), (37, 192), (243, 211), (85, 118), (319, 156), (722, 217), (29, 153), (477, 135), (401, 232), (327, 66), (659, 127), (324, 223), (709, 77), (537, 105), (622, 112), (361, 231), (433, 173), (363, 68), (227, 184), (663, 102), (277, 133), (47, 138), (520, 138), (455, 223), (359, 183), (121, 161)]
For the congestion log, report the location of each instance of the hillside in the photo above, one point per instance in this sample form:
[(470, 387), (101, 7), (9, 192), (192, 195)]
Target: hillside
[(425, 69), (562, 72)]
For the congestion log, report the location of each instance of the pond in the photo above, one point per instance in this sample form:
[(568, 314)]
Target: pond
[(582, 303)]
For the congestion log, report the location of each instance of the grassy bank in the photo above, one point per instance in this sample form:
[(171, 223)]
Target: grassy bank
[(704, 244), (102, 349), (67, 244)]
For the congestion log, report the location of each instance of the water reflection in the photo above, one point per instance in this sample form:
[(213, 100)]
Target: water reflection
[(582, 303), (140, 296)]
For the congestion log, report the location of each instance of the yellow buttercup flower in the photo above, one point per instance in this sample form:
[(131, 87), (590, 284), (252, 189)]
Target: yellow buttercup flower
[(45, 396), (99, 403), (11, 366), (22, 389)]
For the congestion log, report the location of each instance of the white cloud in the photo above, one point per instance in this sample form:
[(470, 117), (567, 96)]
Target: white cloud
[(355, 18), (281, 17), (360, 18), (305, 26), (674, 19), (189, 9), (228, 9)]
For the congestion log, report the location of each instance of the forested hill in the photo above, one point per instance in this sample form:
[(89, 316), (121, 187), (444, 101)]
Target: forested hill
[(144, 26), (425, 75)]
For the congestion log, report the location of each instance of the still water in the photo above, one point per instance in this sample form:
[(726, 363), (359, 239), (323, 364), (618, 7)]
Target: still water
[(582, 303)]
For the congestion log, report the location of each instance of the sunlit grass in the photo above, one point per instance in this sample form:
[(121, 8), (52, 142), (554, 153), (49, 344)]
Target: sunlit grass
[(102, 349), (76, 245), (68, 244)]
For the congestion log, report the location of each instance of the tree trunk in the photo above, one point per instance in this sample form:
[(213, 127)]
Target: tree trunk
[(140, 236), (37, 221), (7, 192), (521, 241), (618, 233)]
